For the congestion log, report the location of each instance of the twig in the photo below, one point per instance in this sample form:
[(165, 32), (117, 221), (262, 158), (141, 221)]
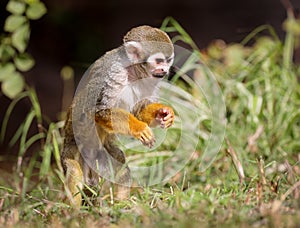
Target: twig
[(259, 193), (40, 213), (261, 163), (290, 190), (253, 138), (290, 172), (111, 195), (277, 203), (237, 163)]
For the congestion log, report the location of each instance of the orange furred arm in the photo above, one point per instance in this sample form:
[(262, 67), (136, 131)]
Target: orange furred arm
[(119, 121), (156, 113)]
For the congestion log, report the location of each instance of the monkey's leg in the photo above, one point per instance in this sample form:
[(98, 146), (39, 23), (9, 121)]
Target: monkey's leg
[(122, 177), (74, 182), (123, 183), (118, 121), (156, 113)]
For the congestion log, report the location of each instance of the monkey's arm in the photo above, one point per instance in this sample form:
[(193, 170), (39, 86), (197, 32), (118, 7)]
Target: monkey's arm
[(118, 121), (156, 114)]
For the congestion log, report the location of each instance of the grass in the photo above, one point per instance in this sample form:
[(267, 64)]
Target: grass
[(253, 181)]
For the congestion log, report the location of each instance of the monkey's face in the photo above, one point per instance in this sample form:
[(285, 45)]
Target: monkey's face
[(158, 64), (150, 59)]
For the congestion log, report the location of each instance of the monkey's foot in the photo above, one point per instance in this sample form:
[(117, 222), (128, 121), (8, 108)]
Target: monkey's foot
[(123, 192), (74, 182)]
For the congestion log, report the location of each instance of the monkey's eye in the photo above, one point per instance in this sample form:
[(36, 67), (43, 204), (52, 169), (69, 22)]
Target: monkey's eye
[(158, 61), (169, 60)]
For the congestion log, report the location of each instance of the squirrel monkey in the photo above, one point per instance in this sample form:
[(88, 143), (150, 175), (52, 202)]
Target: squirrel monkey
[(147, 53)]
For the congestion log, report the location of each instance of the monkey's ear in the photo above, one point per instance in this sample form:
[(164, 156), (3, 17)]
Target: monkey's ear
[(134, 51)]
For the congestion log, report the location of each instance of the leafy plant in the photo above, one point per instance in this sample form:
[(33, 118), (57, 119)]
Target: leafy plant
[(13, 43)]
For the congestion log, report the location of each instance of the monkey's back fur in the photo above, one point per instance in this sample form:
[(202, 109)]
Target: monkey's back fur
[(98, 90)]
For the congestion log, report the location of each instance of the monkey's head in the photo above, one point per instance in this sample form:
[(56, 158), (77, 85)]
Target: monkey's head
[(150, 50)]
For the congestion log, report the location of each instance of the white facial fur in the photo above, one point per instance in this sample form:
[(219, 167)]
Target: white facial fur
[(160, 64)]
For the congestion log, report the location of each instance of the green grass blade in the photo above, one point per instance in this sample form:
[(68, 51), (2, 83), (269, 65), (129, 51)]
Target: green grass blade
[(27, 124), (16, 136), (28, 174), (56, 152), (46, 160), (8, 114), (259, 30), (36, 105), (288, 49), (34, 139)]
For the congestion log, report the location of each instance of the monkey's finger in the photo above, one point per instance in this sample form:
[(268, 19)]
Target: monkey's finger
[(168, 118), (147, 137), (148, 142), (167, 121), (165, 125), (168, 124)]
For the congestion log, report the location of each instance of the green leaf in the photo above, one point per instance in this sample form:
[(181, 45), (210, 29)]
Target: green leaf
[(20, 38), (15, 7), (13, 85), (13, 22), (6, 52), (7, 71), (24, 62), (36, 10)]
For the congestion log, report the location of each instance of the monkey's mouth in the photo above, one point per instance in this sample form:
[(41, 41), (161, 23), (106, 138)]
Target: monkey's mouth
[(159, 73)]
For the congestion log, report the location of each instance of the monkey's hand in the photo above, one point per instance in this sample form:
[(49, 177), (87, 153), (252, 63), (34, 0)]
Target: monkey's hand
[(165, 117), (142, 132), (157, 114)]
